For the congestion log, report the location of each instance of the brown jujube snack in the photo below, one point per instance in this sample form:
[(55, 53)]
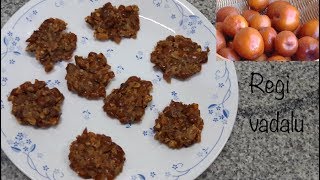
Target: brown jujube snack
[(96, 156), (114, 23), (263, 57), (229, 53), (258, 5), (219, 26), (128, 103), (225, 12), (89, 76), (284, 17), (277, 58), (273, 6), (311, 28), (269, 35), (286, 43), (179, 57), (260, 21), (248, 14), (221, 41), (248, 43), (179, 125), (308, 49), (233, 24), (36, 105), (50, 44)]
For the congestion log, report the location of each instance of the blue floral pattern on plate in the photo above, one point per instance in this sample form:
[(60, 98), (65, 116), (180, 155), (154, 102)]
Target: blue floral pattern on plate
[(84, 40), (53, 83), (11, 45), (120, 69), (157, 79), (22, 144), (59, 3), (139, 55), (218, 111), (86, 114), (109, 52), (174, 95)]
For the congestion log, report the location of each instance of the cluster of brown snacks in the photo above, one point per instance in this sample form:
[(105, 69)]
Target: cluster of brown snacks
[(128, 103), (96, 156), (114, 23), (90, 76), (36, 105), (178, 57), (277, 35), (179, 125), (51, 44)]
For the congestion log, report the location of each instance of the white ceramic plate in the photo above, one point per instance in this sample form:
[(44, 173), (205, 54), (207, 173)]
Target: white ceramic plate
[(43, 153)]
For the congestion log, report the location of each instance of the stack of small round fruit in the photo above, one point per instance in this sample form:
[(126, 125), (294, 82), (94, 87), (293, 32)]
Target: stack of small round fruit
[(276, 35)]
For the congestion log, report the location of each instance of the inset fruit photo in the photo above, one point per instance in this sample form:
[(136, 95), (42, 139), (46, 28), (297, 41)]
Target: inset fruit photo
[(267, 30)]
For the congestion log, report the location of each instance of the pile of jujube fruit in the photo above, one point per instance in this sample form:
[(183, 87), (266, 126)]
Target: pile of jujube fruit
[(268, 31)]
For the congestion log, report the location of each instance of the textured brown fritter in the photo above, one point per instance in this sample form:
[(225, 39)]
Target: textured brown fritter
[(128, 103), (96, 156), (90, 76), (51, 44), (179, 125), (178, 57), (36, 105), (114, 23)]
